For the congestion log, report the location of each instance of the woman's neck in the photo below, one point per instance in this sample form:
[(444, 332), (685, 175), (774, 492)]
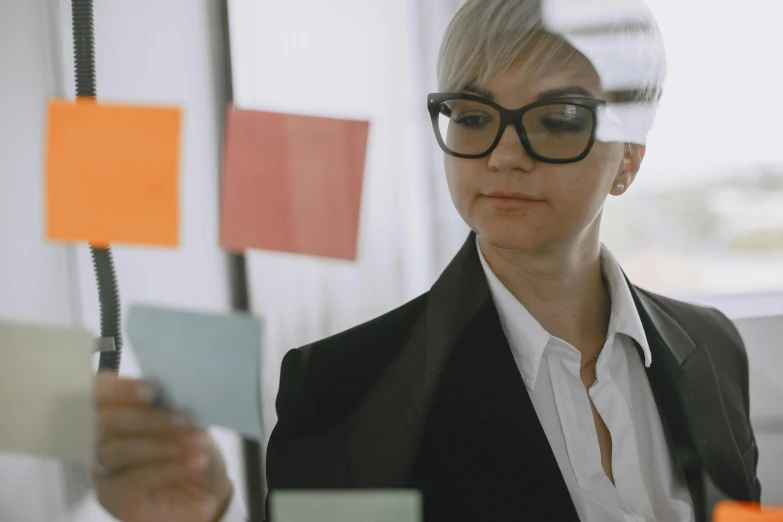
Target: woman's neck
[(563, 289)]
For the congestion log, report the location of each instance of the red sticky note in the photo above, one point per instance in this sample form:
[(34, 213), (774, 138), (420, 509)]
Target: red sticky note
[(112, 173), (292, 183), (745, 512)]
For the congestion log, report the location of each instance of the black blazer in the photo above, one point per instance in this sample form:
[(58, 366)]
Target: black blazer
[(428, 396)]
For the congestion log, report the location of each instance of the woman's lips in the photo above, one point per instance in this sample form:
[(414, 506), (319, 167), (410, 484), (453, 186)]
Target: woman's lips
[(507, 200)]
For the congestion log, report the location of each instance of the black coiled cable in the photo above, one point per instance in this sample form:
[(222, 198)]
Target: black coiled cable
[(83, 47), (108, 292)]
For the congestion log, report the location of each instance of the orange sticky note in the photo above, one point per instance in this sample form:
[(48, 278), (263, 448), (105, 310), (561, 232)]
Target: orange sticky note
[(292, 183), (745, 512), (112, 173)]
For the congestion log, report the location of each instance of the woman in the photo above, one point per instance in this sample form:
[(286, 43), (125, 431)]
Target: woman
[(533, 381)]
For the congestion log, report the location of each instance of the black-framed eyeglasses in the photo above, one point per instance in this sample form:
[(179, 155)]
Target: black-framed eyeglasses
[(551, 131)]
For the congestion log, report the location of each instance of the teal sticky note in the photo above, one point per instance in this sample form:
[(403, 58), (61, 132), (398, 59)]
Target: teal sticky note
[(205, 364), (346, 506)]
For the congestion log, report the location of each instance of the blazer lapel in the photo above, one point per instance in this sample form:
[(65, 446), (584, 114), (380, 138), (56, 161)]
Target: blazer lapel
[(488, 435), (686, 390), (385, 436)]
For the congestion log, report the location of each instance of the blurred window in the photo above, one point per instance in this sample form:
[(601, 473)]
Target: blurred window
[(705, 215)]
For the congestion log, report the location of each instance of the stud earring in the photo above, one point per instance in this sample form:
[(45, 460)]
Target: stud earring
[(620, 186)]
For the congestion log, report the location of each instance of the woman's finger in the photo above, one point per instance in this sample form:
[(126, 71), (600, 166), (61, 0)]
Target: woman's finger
[(132, 422), (120, 391), (144, 478), (118, 454)]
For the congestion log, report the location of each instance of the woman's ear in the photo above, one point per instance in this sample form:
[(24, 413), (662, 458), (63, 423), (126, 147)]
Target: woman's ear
[(632, 161), (634, 154)]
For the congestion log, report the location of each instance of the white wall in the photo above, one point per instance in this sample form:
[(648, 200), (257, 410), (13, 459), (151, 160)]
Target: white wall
[(35, 276), (146, 52)]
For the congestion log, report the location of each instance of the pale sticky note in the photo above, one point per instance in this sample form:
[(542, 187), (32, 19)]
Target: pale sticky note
[(47, 392), (746, 512), (206, 364), (112, 173), (346, 506)]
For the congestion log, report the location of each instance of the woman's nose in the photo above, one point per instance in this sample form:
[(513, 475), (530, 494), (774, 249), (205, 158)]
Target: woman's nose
[(510, 154)]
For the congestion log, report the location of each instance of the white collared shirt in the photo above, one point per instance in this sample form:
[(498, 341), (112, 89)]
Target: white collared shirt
[(648, 483)]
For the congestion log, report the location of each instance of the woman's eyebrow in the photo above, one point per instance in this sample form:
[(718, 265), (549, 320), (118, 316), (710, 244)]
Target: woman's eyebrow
[(565, 91), (475, 89)]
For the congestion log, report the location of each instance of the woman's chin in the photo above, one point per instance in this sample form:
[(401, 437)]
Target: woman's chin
[(514, 239)]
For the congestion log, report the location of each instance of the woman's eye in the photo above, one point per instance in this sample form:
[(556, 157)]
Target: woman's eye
[(560, 125), (473, 121)]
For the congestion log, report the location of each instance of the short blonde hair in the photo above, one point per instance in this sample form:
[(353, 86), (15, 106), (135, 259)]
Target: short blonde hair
[(486, 37)]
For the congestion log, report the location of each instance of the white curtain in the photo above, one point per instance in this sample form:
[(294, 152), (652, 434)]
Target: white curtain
[(431, 19), (351, 59)]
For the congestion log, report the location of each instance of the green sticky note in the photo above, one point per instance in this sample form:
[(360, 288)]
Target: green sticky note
[(207, 365), (346, 506)]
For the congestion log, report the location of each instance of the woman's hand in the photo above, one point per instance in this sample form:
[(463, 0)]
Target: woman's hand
[(157, 468)]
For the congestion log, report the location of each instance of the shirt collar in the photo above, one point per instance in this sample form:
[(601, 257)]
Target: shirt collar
[(528, 339), (625, 318)]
